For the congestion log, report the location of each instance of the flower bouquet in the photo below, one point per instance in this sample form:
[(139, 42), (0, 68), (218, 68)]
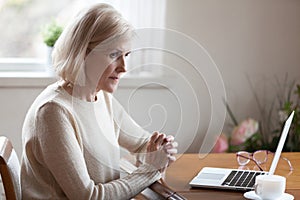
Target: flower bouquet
[(244, 136)]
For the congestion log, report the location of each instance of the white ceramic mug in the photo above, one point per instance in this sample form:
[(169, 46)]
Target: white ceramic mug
[(269, 186)]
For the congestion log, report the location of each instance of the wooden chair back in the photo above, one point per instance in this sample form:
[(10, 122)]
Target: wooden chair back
[(9, 169)]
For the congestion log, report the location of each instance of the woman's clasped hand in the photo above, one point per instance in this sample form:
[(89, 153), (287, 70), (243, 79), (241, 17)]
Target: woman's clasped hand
[(161, 150)]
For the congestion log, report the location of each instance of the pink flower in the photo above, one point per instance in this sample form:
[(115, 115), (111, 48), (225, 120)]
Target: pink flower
[(221, 144), (242, 132)]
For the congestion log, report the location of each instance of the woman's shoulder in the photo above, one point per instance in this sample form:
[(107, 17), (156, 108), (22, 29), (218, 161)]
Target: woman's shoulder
[(50, 99), (52, 106)]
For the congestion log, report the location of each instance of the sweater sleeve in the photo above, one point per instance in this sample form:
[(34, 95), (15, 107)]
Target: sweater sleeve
[(58, 149), (131, 135)]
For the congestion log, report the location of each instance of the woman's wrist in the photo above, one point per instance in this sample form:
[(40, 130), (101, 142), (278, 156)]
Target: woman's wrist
[(148, 168)]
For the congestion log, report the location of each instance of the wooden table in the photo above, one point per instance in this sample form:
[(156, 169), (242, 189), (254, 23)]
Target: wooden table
[(187, 166)]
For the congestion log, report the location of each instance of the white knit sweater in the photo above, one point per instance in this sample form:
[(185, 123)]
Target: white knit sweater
[(71, 149)]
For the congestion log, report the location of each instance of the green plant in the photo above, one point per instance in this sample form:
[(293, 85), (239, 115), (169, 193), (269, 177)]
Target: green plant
[(51, 33), (274, 114), (286, 106), (16, 3)]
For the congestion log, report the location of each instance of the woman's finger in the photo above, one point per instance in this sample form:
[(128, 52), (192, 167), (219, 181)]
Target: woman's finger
[(172, 158), (160, 140), (171, 151), (154, 137), (170, 138), (171, 145)]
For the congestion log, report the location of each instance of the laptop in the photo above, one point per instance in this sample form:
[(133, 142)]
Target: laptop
[(234, 179)]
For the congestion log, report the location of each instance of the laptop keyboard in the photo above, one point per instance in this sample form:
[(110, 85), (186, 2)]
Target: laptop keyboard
[(244, 179)]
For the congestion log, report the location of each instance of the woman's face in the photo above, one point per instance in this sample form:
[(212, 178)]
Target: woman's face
[(104, 66)]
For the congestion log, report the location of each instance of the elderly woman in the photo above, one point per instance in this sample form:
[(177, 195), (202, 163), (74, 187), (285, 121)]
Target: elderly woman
[(73, 131)]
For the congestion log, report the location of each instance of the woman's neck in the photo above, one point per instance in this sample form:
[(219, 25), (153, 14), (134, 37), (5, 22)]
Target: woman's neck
[(82, 92)]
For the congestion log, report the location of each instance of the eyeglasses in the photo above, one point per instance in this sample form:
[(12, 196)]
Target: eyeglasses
[(258, 157)]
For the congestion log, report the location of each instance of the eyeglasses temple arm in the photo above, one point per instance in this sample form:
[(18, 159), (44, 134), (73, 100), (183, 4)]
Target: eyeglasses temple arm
[(252, 160), (289, 162)]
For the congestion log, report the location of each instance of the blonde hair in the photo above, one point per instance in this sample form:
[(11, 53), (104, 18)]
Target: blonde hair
[(99, 24)]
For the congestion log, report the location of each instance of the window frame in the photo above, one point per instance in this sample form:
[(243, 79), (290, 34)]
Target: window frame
[(16, 65)]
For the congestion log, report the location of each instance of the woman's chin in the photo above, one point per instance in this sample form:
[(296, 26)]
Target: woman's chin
[(110, 89)]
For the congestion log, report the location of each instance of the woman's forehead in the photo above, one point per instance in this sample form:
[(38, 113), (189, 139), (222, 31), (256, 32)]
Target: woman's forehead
[(120, 44)]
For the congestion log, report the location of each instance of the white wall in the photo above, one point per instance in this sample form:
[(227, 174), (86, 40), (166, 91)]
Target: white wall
[(254, 37)]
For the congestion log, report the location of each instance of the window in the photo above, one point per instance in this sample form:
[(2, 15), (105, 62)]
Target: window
[(21, 22)]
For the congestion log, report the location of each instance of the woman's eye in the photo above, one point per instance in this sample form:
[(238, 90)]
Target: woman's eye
[(127, 54), (114, 55)]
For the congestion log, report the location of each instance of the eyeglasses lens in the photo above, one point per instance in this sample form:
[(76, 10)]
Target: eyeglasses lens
[(260, 156), (243, 158)]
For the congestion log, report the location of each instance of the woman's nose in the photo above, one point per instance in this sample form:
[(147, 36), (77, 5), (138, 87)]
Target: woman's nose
[(121, 64)]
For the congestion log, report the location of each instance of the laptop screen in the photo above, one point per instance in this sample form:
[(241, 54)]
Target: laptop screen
[(281, 143)]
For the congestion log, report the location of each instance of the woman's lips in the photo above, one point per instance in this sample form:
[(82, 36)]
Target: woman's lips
[(114, 78)]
